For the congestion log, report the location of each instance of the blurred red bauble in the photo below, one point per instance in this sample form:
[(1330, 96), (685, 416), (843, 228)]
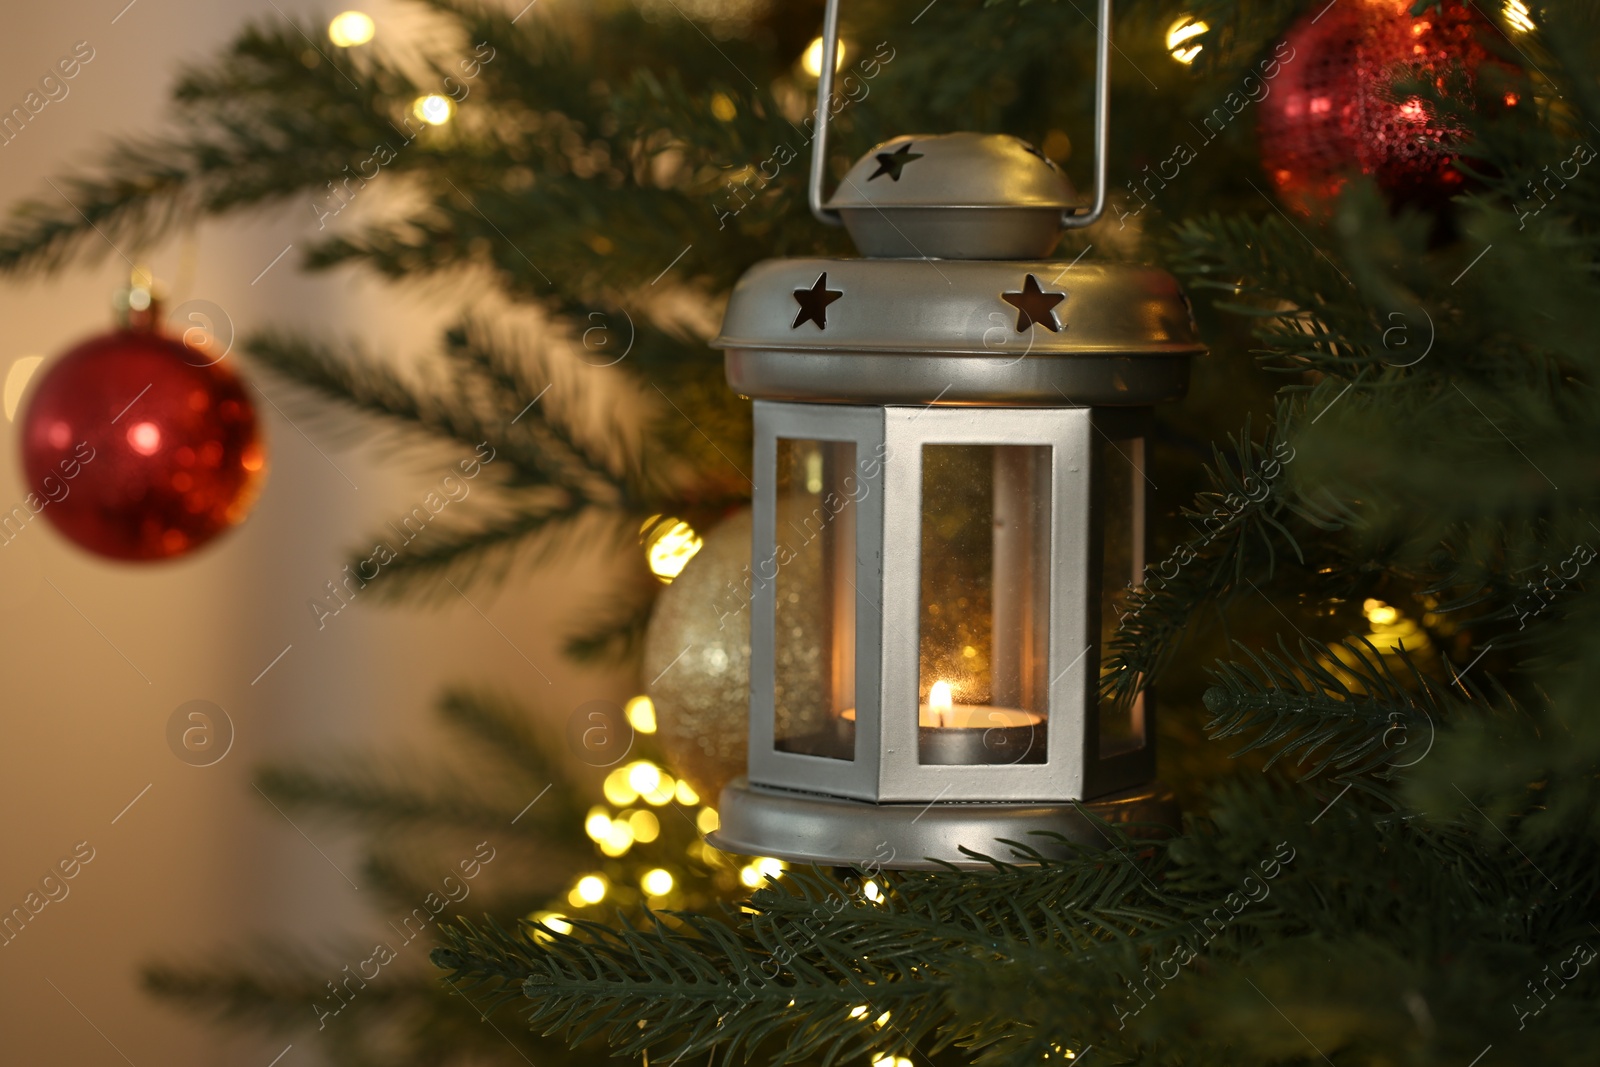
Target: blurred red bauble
[(1332, 112), (139, 447)]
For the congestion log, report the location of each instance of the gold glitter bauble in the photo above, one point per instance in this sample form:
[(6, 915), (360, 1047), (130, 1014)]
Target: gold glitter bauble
[(697, 648)]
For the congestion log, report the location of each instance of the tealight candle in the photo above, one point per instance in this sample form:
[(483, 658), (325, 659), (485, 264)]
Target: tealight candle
[(967, 734)]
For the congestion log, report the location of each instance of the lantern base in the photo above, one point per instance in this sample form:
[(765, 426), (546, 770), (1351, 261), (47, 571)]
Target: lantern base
[(806, 828)]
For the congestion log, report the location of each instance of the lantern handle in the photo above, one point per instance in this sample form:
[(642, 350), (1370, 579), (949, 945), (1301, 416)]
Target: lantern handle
[(819, 142), (1071, 219)]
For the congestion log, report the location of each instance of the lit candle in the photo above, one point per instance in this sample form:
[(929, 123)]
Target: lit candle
[(950, 733), (968, 734)]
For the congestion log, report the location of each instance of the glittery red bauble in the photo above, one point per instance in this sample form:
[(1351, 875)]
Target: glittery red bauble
[(139, 447), (1332, 112)]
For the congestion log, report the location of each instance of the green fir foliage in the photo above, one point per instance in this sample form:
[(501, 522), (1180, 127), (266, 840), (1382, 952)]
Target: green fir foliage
[(1390, 854)]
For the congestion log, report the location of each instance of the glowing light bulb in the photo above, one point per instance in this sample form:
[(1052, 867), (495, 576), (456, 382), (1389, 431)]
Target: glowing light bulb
[(870, 890), (591, 889), (858, 1011), (434, 109), (1518, 17), (1185, 28), (641, 714), (554, 921), (643, 776), (722, 107), (657, 883), (669, 546), (17, 380), (351, 28), (707, 821), (1378, 613), (597, 824), (811, 62), (618, 838), (892, 1061), (617, 788), (644, 826)]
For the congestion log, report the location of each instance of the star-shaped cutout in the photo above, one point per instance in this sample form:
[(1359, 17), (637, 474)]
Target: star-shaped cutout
[(1034, 305), (892, 163), (814, 303)]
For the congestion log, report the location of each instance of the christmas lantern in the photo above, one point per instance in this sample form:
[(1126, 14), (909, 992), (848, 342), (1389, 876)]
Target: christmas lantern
[(949, 472)]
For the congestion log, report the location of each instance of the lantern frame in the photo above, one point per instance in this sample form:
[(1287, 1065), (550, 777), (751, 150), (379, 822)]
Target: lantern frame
[(887, 566)]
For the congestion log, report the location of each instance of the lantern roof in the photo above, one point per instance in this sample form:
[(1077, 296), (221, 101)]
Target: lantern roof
[(990, 332), (954, 196)]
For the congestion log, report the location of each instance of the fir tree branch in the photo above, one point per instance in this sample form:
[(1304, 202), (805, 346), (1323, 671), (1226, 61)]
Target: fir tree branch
[(614, 630), (1336, 707), (1252, 515), (808, 958)]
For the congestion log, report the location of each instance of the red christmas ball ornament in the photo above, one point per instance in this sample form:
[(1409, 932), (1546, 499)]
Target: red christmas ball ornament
[(1332, 110), (138, 446)]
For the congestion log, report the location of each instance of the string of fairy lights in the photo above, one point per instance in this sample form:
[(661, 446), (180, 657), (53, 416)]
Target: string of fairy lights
[(1184, 44), (1184, 40), (632, 791), (636, 791)]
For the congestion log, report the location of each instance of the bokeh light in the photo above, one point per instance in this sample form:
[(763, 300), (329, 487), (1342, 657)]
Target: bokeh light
[(669, 546), (17, 381), (641, 714), (811, 62), (591, 889), (1181, 42), (350, 28), (756, 873), (434, 109), (644, 826)]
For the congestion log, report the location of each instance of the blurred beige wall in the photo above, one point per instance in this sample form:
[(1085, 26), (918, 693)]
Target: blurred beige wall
[(95, 657)]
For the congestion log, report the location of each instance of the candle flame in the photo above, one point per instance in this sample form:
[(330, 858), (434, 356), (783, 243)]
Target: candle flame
[(939, 702)]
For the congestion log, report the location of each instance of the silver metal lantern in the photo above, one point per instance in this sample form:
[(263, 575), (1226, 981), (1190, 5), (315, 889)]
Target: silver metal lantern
[(949, 490)]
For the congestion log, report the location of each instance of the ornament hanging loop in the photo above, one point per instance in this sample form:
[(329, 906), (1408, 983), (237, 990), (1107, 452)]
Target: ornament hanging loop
[(1071, 219), (138, 305)]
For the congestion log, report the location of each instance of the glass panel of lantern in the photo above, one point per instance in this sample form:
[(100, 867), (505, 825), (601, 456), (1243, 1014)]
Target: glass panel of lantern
[(985, 596), (1122, 727), (814, 603), (817, 518)]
